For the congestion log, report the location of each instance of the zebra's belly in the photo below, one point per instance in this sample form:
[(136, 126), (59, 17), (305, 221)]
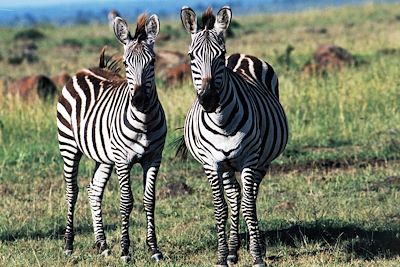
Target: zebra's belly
[(223, 152), (138, 147), (95, 145), (134, 152), (109, 150), (113, 144), (252, 146)]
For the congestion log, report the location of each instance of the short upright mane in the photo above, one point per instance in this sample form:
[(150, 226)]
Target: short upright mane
[(208, 19), (109, 62), (140, 33)]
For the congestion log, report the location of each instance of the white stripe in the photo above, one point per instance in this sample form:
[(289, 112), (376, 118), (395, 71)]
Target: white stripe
[(64, 113), (64, 129), (89, 72), (72, 102), (239, 62)]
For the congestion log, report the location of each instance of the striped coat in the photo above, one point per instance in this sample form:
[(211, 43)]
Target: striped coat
[(236, 124), (116, 122), (249, 128)]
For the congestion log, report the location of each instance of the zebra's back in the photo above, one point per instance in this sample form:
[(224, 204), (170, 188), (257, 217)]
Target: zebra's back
[(263, 89), (254, 70)]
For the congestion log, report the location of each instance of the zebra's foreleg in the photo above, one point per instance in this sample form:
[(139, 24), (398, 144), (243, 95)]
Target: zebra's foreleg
[(70, 177), (220, 213), (232, 190), (149, 183), (95, 191), (251, 183), (126, 205)]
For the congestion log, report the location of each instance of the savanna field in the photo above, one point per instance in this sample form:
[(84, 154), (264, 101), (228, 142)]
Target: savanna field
[(331, 199)]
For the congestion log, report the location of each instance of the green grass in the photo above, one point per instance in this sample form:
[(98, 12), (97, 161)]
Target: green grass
[(311, 216), (336, 218)]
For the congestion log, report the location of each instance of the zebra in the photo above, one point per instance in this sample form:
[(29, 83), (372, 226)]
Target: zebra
[(236, 124), (114, 121)]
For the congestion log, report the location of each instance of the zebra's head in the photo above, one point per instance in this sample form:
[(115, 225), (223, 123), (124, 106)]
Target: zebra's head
[(139, 56), (207, 53)]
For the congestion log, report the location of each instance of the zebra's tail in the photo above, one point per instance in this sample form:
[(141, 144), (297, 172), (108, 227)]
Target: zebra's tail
[(181, 150), (111, 63)]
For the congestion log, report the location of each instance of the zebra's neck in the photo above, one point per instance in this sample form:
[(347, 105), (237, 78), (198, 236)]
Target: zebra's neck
[(229, 102)]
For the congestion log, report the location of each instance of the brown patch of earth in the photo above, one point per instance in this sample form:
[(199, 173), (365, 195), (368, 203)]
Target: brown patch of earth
[(174, 189), (328, 164)]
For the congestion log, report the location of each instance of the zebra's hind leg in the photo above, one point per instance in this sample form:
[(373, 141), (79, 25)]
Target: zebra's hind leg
[(251, 180), (126, 205), (96, 187), (71, 164), (220, 213), (149, 183), (232, 190)]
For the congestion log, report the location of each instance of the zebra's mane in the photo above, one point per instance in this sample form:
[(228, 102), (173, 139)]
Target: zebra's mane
[(208, 19), (140, 33), (110, 63)]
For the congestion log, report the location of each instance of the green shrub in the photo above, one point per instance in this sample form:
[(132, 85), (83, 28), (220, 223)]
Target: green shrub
[(15, 59), (29, 34)]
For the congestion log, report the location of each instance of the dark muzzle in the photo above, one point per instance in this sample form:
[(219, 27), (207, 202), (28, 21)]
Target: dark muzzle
[(208, 96), (140, 99)]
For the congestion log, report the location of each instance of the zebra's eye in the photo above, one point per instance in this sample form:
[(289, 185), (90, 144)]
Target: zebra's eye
[(125, 64)]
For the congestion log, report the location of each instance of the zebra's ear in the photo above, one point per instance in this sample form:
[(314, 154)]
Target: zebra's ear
[(189, 19), (152, 29), (223, 20), (121, 30)]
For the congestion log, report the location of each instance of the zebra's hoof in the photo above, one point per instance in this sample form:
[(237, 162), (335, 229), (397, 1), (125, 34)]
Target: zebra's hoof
[(259, 263), (221, 263), (126, 258), (68, 252), (102, 248), (158, 256), (232, 259), (105, 253)]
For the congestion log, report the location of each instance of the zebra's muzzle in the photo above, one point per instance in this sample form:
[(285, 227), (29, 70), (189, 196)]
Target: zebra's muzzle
[(208, 95), (140, 99)]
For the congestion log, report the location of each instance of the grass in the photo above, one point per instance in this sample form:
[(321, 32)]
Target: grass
[(343, 217), (310, 215)]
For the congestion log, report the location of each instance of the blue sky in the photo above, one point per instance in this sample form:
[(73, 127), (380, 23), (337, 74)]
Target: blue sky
[(27, 3), (65, 12)]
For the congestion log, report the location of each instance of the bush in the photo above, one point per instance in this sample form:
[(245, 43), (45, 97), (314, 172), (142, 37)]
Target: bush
[(285, 59), (15, 59), (29, 34)]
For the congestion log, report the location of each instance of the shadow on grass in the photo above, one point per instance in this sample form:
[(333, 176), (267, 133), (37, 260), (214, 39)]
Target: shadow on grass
[(365, 244), (55, 233)]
